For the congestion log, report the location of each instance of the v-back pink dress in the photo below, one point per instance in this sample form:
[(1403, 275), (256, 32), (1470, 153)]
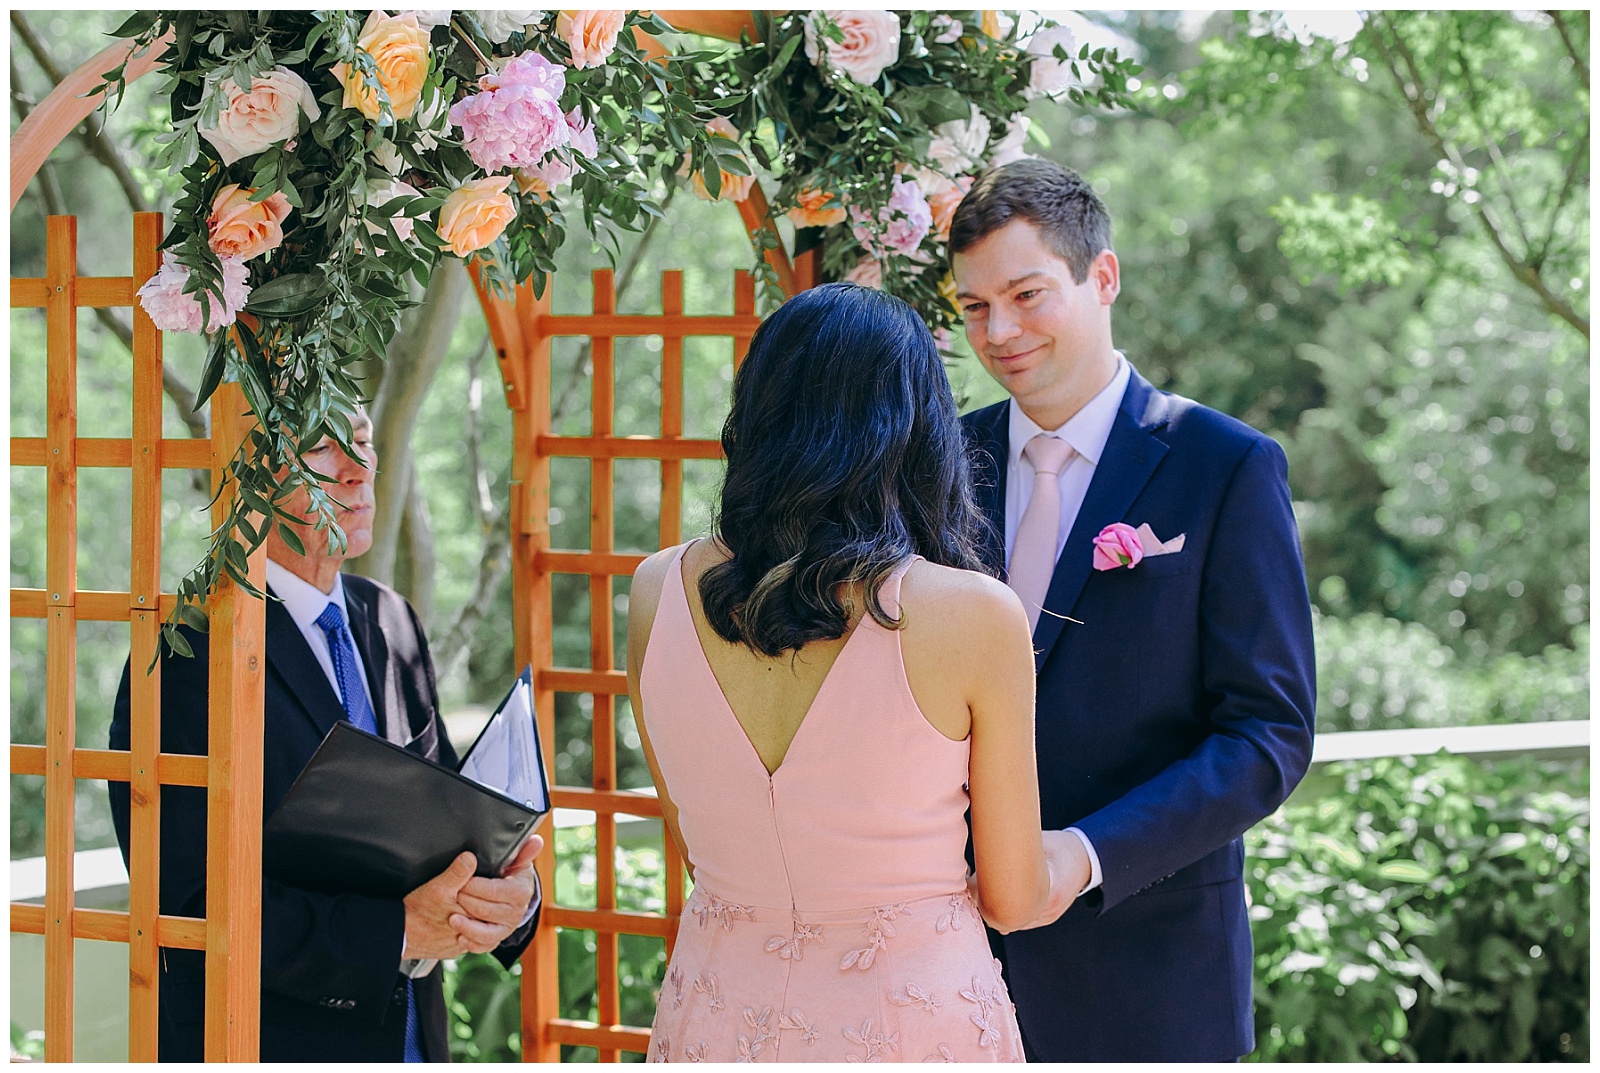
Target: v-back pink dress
[(830, 919)]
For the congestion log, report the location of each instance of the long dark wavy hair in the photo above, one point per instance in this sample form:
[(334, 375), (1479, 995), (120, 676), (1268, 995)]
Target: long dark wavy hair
[(845, 457)]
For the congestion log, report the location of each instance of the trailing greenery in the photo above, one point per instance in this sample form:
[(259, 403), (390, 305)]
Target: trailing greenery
[(1425, 909)]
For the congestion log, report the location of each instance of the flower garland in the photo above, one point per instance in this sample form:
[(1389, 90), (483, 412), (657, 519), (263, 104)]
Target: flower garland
[(328, 155), (875, 124)]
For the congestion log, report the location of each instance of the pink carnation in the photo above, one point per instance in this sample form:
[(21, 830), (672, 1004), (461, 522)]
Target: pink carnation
[(517, 118), (900, 226), (172, 310)]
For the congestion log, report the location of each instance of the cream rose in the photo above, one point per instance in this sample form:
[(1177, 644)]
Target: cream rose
[(239, 227), (399, 48), (380, 194), (475, 214), (266, 114), (958, 145), (871, 43), (591, 35), (1051, 76), (500, 25)]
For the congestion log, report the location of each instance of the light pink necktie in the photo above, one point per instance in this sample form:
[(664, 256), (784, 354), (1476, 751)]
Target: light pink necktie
[(1033, 556)]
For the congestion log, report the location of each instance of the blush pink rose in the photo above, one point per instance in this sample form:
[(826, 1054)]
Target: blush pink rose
[(591, 35), (1117, 545), (171, 310), (267, 114), (866, 273), (871, 43), (239, 227), (517, 118)]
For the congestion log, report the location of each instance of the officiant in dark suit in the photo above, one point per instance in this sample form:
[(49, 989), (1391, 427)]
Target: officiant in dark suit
[(343, 977), (1152, 541)]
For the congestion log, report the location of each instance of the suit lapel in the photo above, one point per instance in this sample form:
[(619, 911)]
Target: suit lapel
[(292, 660), (991, 441), (1131, 455), (374, 653)]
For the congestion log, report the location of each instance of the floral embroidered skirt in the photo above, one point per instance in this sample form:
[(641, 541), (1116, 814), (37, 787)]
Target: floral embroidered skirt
[(909, 982)]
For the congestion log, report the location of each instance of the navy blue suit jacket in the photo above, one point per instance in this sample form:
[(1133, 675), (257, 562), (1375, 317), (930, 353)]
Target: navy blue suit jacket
[(331, 990), (1175, 712)]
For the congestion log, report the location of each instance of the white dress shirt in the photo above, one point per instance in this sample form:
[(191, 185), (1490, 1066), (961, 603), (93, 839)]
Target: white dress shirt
[(304, 602), (1087, 432)]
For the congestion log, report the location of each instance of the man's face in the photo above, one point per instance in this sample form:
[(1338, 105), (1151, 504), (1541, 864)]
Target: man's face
[(1044, 336), (350, 486)]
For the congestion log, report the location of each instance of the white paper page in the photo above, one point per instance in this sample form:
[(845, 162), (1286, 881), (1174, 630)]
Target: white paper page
[(506, 757)]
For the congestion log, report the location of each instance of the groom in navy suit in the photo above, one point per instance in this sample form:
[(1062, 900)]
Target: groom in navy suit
[(1154, 545)]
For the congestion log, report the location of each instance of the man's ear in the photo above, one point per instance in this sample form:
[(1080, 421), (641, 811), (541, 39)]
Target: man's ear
[(1106, 275)]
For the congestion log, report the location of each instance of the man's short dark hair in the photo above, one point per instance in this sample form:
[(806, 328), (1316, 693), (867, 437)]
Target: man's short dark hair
[(1055, 199)]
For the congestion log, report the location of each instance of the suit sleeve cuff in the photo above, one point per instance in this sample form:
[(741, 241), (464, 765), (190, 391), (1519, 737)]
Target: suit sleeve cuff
[(1094, 860)]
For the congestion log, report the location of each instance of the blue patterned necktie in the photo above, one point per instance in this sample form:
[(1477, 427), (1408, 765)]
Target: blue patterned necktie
[(359, 711)]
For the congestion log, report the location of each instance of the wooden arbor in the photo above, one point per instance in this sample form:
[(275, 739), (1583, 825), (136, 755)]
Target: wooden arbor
[(523, 330)]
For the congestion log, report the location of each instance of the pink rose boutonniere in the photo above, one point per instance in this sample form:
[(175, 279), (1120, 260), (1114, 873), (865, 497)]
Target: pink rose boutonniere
[(1120, 544)]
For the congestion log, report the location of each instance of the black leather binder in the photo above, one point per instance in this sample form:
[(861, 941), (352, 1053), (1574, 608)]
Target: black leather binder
[(367, 816)]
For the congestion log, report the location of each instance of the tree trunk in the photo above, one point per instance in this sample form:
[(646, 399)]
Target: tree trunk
[(416, 354)]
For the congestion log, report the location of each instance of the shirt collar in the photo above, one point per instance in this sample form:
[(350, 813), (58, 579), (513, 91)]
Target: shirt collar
[(1087, 430), (303, 600)]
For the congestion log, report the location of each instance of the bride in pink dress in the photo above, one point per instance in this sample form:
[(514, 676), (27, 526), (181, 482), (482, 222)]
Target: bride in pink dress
[(823, 692)]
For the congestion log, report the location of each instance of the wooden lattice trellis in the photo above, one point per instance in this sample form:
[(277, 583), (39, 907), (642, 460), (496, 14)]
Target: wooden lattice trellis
[(230, 933)]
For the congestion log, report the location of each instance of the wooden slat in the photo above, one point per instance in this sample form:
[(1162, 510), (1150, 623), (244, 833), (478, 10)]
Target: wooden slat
[(589, 562), (532, 608), (91, 605), (173, 769), (506, 332), (144, 790), (563, 680), (626, 802), (61, 641), (113, 453), (744, 309), (233, 792), (627, 447), (101, 292), (675, 886), (744, 322), (670, 529), (753, 211), (605, 1038), (182, 933), (613, 921)]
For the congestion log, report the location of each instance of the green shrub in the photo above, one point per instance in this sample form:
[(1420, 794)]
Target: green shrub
[(1436, 909)]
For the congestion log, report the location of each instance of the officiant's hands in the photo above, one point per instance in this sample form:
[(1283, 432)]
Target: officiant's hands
[(457, 912), (1068, 863)]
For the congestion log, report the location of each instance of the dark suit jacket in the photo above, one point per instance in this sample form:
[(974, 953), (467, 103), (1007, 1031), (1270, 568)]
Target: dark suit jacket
[(331, 990), (1174, 714)]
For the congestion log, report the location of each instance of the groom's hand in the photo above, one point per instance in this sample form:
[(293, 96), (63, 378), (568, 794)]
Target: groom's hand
[(491, 909)]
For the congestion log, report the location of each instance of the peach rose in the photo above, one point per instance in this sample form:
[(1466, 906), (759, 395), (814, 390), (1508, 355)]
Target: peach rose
[(476, 213), (944, 205), (591, 35), (816, 208), (266, 115), (243, 228), (871, 43), (399, 49)]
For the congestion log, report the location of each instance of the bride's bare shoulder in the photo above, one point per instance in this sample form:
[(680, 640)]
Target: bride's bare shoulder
[(945, 600)]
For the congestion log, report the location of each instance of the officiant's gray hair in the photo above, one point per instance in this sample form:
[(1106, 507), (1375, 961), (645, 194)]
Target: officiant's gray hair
[(1057, 200)]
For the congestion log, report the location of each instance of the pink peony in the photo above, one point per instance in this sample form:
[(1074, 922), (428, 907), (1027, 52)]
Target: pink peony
[(591, 35), (582, 134), (517, 118), (1117, 545), (949, 29), (871, 43), (900, 226), (866, 273), (172, 310)]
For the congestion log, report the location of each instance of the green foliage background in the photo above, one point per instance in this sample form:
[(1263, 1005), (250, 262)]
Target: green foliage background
[(1436, 418)]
